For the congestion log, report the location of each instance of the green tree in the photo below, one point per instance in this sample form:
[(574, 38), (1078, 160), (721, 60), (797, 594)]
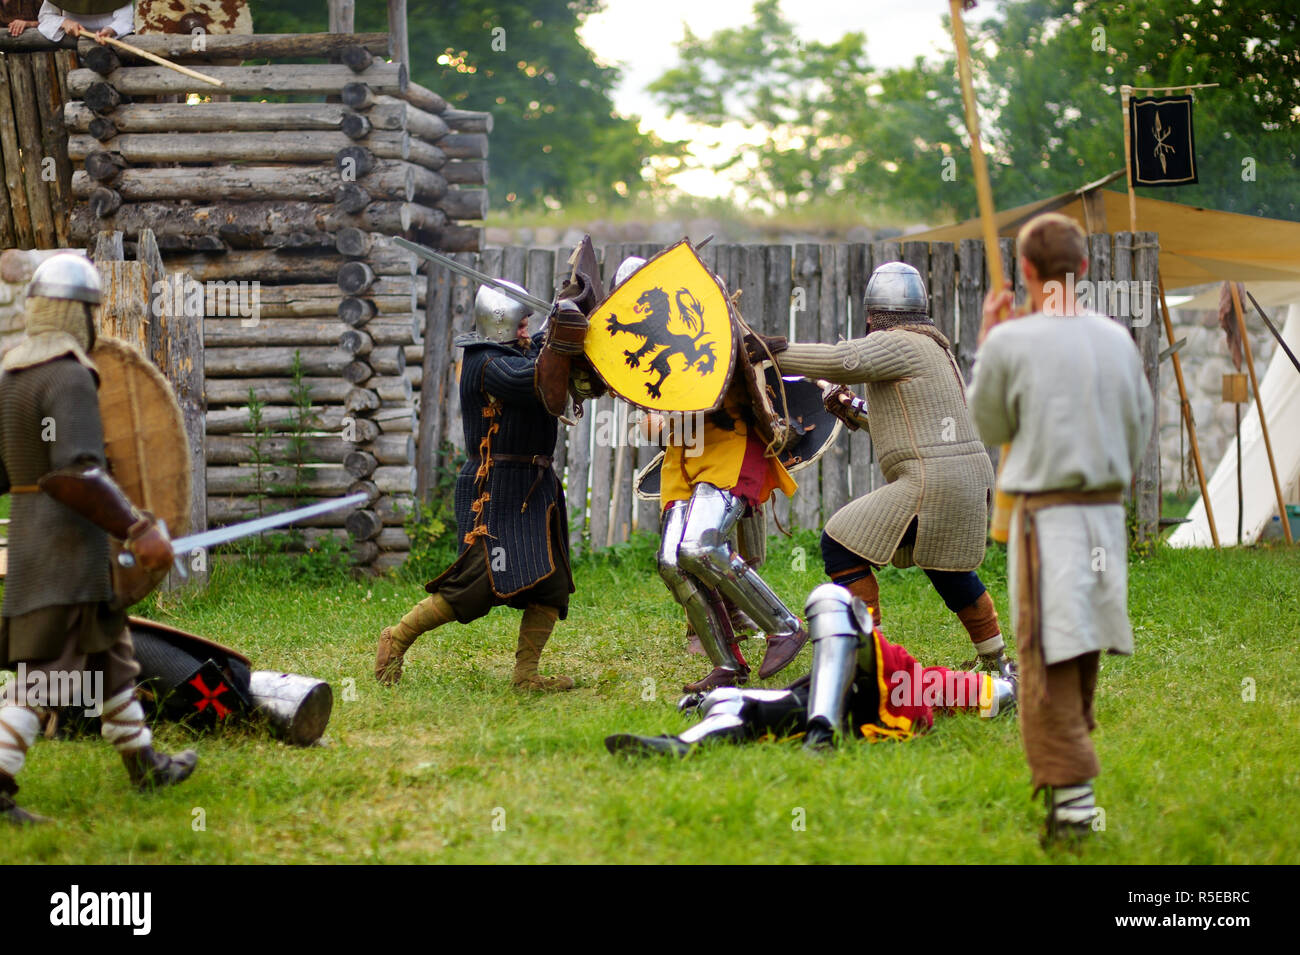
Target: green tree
[(1047, 74), (556, 136)]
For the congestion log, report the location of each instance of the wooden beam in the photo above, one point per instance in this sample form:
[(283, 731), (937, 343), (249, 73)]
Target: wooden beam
[(342, 16)]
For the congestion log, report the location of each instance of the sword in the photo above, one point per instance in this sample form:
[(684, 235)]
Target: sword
[(424, 252), (231, 532)]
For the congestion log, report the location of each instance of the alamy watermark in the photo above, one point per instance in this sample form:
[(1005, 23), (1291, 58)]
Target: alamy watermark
[(1132, 301), (181, 295), (56, 689)]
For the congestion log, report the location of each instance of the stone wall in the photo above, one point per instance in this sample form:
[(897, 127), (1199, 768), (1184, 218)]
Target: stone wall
[(16, 267), (1205, 361)]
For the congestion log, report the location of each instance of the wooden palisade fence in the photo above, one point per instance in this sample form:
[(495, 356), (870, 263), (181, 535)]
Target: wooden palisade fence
[(810, 292), (34, 198)]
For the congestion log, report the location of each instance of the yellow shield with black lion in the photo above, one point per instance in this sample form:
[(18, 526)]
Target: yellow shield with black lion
[(665, 339)]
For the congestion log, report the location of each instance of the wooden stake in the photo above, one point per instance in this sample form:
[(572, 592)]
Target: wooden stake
[(1259, 407), (155, 58), (1187, 414), (1002, 503)]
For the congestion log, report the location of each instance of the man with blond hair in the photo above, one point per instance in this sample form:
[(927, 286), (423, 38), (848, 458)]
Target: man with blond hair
[(1065, 388)]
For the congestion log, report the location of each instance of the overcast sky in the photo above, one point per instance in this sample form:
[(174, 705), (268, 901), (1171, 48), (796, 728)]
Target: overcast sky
[(640, 36)]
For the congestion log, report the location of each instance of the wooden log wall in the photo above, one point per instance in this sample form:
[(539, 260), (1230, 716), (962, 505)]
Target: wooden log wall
[(282, 216), (808, 292)]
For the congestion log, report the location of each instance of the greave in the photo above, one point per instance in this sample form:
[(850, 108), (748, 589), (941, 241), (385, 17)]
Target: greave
[(835, 639)]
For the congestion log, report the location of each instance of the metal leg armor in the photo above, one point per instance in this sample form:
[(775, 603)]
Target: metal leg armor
[(751, 537), (729, 715), (707, 553), (836, 638), (688, 591)]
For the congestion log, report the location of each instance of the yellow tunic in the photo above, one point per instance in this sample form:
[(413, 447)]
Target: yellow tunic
[(716, 458)]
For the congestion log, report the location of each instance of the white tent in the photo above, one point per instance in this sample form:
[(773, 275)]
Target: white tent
[(1279, 390)]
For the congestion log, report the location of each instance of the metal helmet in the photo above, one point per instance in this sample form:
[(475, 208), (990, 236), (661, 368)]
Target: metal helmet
[(66, 276), (896, 287), (497, 316), (626, 268)]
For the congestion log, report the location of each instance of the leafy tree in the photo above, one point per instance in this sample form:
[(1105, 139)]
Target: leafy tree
[(1047, 73), (556, 136)]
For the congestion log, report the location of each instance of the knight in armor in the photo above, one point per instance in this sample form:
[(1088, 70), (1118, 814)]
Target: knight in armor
[(933, 510), (861, 686), (710, 492), (59, 622), (510, 510)]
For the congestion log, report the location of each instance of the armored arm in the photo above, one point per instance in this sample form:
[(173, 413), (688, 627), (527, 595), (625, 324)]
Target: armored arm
[(88, 490), (565, 335)]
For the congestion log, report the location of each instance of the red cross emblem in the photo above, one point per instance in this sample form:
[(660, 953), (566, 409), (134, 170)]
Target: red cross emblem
[(210, 697)]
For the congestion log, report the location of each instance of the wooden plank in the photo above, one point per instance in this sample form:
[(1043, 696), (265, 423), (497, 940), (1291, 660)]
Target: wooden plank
[(834, 471), (860, 456), (1122, 271), (578, 473), (943, 288), (436, 382), (54, 142), (805, 509), (14, 179), (602, 474), (776, 296), (514, 267), (1146, 332), (753, 281), (971, 286), (8, 238)]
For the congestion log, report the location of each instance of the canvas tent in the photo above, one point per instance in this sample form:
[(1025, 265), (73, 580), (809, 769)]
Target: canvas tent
[(1196, 245), (1200, 246)]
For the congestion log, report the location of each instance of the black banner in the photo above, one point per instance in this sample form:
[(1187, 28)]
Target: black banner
[(1164, 148)]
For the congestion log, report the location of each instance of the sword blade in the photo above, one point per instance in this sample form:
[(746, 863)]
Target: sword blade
[(231, 532), (425, 252)]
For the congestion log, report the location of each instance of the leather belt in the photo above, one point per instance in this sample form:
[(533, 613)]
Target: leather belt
[(535, 460)]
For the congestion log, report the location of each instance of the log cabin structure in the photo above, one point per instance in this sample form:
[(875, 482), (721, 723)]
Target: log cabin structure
[(246, 229)]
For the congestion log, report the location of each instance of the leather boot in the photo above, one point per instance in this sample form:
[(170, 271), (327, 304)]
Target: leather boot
[(149, 769), (429, 613), (10, 811), (718, 677), (781, 651), (534, 632), (980, 619), (867, 590)]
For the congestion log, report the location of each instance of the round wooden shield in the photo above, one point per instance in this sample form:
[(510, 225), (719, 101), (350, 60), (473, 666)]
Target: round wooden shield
[(147, 450)]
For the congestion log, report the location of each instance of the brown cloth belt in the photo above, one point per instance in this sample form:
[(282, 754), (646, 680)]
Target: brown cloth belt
[(540, 461), (1028, 618)]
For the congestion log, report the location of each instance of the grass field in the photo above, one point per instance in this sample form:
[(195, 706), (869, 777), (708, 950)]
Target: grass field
[(452, 766)]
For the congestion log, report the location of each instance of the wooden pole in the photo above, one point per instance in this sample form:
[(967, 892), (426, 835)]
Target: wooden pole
[(155, 58), (342, 16), (1259, 407), (397, 28), (1126, 96), (1187, 415), (1002, 503)]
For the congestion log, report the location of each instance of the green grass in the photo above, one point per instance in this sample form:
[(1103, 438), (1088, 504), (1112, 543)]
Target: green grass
[(419, 773)]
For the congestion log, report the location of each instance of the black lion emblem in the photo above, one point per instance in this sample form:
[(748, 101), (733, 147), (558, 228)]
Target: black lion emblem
[(656, 312)]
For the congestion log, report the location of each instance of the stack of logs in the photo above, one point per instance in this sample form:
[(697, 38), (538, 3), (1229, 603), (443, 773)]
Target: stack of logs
[(283, 213)]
